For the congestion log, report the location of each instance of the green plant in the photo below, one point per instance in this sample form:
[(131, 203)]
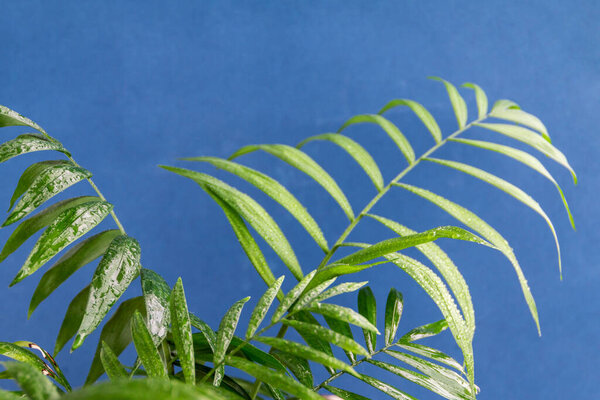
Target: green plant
[(209, 361)]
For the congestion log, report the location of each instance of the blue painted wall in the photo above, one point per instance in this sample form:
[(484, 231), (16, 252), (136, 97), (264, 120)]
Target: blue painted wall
[(130, 86)]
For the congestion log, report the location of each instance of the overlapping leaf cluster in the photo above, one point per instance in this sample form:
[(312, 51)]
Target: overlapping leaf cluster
[(172, 343)]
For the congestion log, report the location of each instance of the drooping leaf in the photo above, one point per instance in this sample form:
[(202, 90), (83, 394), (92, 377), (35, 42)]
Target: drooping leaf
[(433, 354), (69, 226), (292, 296), (18, 353), (72, 319), (504, 104), (474, 222), (145, 348), (342, 288), (300, 160), (367, 307), (245, 238), (480, 98), (521, 117), (9, 117), (31, 380), (58, 374), (226, 332), (252, 212), (306, 352), (532, 139), (444, 265), (424, 331), (116, 333), (309, 295), (274, 378), (273, 189), (181, 329), (421, 112), (50, 182), (389, 128), (111, 364), (356, 151), (344, 394), (386, 388), (262, 307), (326, 335), (422, 380), (458, 103), (507, 187), (297, 365), (157, 296), (393, 313), (80, 255), (117, 269), (28, 143), (32, 225), (345, 314), (399, 243), (524, 158), (206, 331)]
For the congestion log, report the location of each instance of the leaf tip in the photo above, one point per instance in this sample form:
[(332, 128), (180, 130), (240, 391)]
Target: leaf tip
[(77, 342)]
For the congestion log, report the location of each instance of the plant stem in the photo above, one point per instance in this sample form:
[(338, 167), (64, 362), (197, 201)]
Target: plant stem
[(383, 191)]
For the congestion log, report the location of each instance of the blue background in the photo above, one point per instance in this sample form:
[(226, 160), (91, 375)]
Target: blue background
[(129, 85)]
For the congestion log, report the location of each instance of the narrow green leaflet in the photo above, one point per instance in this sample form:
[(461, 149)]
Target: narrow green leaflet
[(31, 380), (28, 143), (297, 365), (399, 243), (255, 354), (69, 226), (262, 307), (273, 189), (49, 183), (421, 112), (157, 295), (18, 353), (343, 328), (307, 353), (344, 394), (309, 295), (9, 117), (445, 266), (504, 104), (389, 128), (117, 269), (433, 354), (532, 139), (480, 98), (367, 307), (477, 224), (310, 333), (343, 314), (226, 332), (385, 388), (251, 211), (451, 381), (393, 312), (424, 331), (274, 378), (327, 335), (31, 174), (181, 329), (421, 380), (356, 151), (32, 225), (80, 255), (116, 333), (114, 369), (458, 103), (507, 187), (245, 238), (206, 331), (292, 296), (524, 158), (339, 269), (145, 348), (300, 160), (72, 319), (58, 374), (342, 288), (523, 118)]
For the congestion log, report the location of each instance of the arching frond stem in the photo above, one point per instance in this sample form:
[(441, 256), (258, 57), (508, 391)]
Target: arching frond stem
[(383, 191)]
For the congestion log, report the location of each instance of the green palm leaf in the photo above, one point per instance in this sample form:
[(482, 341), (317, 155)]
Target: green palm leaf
[(226, 332), (181, 330), (157, 297), (458, 103), (367, 307), (421, 112), (262, 307), (114, 369), (521, 117), (393, 312), (480, 98), (28, 143), (145, 348), (9, 117)]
